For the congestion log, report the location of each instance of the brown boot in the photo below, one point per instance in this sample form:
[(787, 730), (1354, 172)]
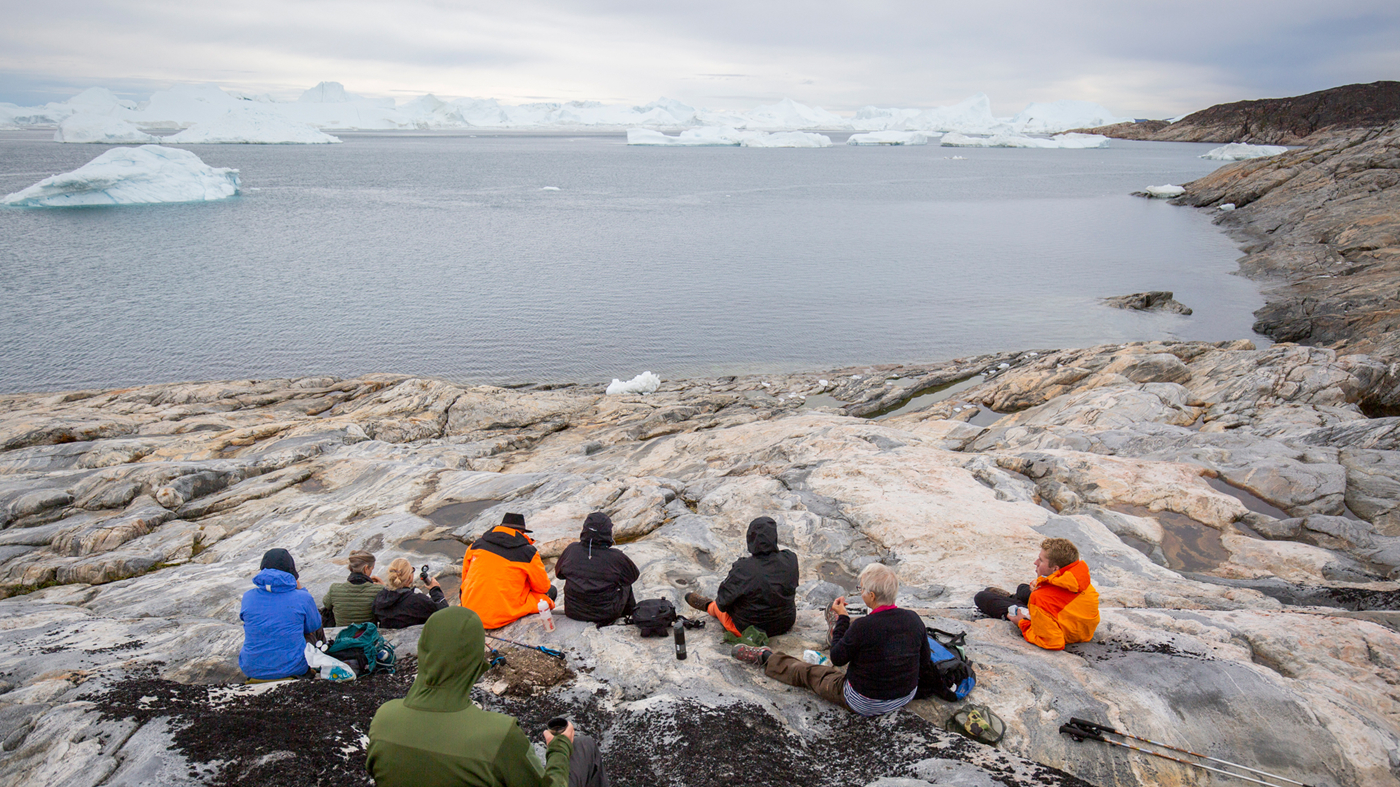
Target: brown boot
[(752, 654), (698, 601)]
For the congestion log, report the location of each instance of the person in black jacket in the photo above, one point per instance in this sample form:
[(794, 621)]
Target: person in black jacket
[(761, 590), (884, 649), (597, 576), (398, 605)]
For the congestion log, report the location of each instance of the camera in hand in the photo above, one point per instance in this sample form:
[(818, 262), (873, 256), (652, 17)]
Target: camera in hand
[(557, 724), (423, 573)]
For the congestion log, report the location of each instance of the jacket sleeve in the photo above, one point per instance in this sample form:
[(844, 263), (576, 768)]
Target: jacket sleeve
[(1042, 629), (842, 646), (628, 571), (438, 600), (313, 615), (539, 578), (732, 589), (561, 566), (326, 601), (517, 766)]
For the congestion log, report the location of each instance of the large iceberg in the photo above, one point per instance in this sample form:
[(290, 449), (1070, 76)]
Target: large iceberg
[(889, 138), (146, 175), (725, 136), (1056, 116), (253, 128), (788, 114), (788, 139), (1061, 141), (102, 129), (1236, 151)]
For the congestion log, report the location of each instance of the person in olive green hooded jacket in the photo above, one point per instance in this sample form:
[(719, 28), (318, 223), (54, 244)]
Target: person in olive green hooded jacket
[(436, 736)]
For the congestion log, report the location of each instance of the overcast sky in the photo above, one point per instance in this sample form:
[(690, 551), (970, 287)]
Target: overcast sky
[(1136, 58)]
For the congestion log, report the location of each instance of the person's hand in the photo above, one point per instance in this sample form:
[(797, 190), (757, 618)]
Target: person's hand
[(567, 733), (376, 580), (839, 605), (1017, 613), (433, 583)]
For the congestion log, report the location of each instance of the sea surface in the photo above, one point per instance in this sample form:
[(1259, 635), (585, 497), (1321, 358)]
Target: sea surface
[(517, 257)]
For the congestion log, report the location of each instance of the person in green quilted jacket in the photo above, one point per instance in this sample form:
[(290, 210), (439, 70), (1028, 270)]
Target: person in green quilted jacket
[(352, 601), (436, 736)]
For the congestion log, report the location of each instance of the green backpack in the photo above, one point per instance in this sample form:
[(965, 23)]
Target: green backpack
[(364, 649), (978, 723)]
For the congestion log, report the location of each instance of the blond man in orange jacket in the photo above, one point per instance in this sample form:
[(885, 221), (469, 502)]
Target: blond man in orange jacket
[(1061, 607), (503, 578)]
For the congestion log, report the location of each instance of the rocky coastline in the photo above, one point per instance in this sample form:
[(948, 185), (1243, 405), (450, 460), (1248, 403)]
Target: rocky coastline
[(1239, 508)]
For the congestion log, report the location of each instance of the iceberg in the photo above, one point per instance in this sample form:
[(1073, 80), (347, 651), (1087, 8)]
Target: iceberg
[(790, 115), (98, 101), (1056, 116), (889, 138), (147, 175), (788, 139), (103, 129), (250, 128), (1164, 192), (1236, 151), (1061, 141), (705, 136), (644, 383)]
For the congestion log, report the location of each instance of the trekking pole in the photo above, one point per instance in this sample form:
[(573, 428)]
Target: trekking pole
[(558, 654), (1089, 725), (1079, 734)]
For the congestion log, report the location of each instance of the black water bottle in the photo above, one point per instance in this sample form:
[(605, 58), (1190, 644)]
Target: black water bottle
[(680, 640)]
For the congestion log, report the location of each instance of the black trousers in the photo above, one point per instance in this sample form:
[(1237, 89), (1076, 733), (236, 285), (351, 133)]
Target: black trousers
[(994, 603), (586, 764)]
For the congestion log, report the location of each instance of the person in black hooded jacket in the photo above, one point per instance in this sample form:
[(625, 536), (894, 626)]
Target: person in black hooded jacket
[(760, 590), (597, 576), (399, 605)]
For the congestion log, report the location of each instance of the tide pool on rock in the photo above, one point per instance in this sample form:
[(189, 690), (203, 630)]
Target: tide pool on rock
[(134, 520), (147, 175)]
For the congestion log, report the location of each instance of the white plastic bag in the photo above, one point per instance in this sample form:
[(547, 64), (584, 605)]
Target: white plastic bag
[(330, 668), (813, 657)]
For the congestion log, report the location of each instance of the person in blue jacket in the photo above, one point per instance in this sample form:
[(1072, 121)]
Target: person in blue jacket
[(277, 616)]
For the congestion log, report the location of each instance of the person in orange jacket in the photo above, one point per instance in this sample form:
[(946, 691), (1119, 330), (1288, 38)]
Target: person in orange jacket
[(1061, 607), (503, 578)]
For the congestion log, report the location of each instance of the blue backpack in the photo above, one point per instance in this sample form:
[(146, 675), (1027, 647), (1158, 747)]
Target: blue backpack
[(947, 675), (364, 649)]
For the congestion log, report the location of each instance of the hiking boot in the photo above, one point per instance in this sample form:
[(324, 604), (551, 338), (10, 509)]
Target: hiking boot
[(698, 601), (999, 592), (752, 654)]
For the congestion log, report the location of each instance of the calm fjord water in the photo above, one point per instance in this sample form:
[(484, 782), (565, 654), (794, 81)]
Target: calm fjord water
[(445, 255)]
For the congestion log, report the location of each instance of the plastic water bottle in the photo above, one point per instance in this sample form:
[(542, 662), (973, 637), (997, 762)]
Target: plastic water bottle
[(546, 616), (680, 640)]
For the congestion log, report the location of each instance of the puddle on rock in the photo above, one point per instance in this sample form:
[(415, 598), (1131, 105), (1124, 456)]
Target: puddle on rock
[(837, 574), (822, 400), (1187, 544), (931, 396), (706, 560), (1251, 501), (986, 416), (312, 485), (457, 514)]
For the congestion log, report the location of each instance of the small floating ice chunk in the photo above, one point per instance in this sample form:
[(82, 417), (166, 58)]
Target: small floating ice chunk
[(1236, 151), (644, 383), (1166, 191), (1227, 207), (103, 129), (549, 188), (955, 158), (888, 138), (823, 382), (146, 175)]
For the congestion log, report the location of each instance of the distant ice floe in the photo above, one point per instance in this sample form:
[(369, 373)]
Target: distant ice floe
[(889, 138), (1061, 141), (329, 106), (644, 383), (1164, 192), (251, 128), (104, 129), (1236, 151), (146, 175), (726, 136)]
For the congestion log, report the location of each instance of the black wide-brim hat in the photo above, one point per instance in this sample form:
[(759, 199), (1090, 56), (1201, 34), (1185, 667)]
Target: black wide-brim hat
[(516, 521)]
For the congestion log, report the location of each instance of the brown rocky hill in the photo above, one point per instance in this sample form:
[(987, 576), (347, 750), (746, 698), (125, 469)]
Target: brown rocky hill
[(1300, 120)]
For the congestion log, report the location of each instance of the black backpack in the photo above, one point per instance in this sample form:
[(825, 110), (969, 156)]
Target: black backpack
[(947, 675), (654, 616)]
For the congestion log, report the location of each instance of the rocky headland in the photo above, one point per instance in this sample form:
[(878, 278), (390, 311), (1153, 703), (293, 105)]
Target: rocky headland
[(1298, 120), (1239, 508)]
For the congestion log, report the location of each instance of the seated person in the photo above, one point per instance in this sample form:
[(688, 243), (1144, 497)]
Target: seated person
[(279, 618), (503, 577), (399, 605), (761, 590), (1061, 607), (351, 601), (597, 576), (884, 649), (436, 735)]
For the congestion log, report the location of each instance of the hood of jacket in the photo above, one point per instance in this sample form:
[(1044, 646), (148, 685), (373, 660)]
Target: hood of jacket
[(275, 580), (451, 658), (763, 536), (281, 560), (1074, 577), (598, 529)]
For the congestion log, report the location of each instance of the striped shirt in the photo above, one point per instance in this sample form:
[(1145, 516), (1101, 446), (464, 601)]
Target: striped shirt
[(867, 707)]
